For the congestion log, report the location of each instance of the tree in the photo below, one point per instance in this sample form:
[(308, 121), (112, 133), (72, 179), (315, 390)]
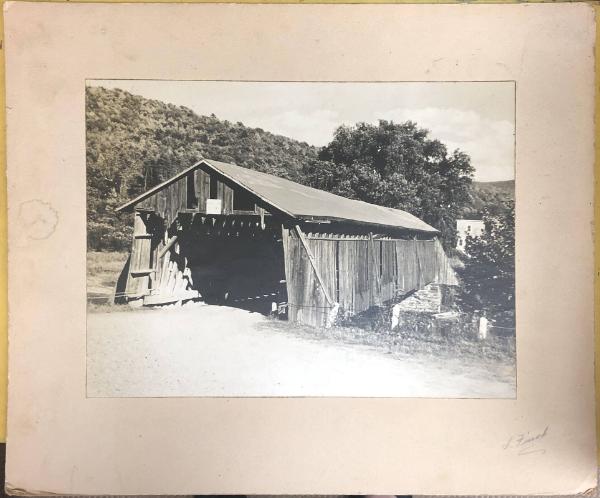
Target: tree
[(398, 166), (489, 272)]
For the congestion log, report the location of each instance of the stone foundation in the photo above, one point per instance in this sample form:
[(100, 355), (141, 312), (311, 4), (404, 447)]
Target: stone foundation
[(426, 300)]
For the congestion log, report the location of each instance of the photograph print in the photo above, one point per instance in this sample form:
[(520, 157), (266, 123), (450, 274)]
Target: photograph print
[(300, 239)]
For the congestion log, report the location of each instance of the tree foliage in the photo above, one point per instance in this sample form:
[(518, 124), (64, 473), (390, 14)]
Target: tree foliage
[(397, 165), (489, 272)]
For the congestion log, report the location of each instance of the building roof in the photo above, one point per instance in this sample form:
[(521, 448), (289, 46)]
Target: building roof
[(300, 201)]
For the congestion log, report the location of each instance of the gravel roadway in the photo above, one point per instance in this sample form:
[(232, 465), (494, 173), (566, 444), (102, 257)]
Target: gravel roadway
[(202, 350)]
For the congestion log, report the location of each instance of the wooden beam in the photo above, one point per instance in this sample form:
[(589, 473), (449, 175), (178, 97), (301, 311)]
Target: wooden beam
[(311, 258), (168, 246), (143, 271), (159, 299)]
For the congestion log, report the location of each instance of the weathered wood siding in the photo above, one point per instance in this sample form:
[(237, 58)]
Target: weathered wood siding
[(407, 264), (445, 274), (173, 198), (202, 187), (306, 300), (389, 270), (358, 272), (138, 280), (168, 202), (354, 290)]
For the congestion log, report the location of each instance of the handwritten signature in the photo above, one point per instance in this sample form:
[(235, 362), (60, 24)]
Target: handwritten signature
[(526, 443)]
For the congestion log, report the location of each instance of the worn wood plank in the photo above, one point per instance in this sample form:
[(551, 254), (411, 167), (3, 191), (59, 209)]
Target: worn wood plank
[(361, 258), (203, 189), (161, 299), (346, 280), (199, 180), (445, 272), (137, 279), (167, 247), (220, 190), (143, 271), (227, 199), (172, 279), (373, 272), (389, 270), (324, 256), (407, 266), (143, 262), (313, 264), (289, 277), (164, 274)]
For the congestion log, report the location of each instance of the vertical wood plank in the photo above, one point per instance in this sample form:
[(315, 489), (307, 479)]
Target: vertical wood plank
[(140, 258), (361, 258), (220, 190), (164, 274), (313, 263), (373, 271), (200, 189), (227, 199), (290, 274)]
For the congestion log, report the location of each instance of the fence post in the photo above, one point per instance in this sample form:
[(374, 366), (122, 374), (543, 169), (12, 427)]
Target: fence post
[(483, 327)]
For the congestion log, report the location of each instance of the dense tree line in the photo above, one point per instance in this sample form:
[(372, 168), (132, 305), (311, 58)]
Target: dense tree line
[(134, 143)]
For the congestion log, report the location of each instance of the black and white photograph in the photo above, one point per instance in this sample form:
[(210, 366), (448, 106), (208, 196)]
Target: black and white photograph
[(300, 239)]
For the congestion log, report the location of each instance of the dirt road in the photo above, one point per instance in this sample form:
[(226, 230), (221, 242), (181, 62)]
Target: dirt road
[(218, 351)]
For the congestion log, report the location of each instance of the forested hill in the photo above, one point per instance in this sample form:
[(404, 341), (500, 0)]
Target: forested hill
[(490, 196), (134, 143), (506, 187)]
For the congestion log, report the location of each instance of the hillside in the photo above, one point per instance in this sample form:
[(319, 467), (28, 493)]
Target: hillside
[(134, 143), (506, 187), (491, 196)]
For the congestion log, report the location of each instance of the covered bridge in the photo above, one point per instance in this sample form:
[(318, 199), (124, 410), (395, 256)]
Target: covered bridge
[(235, 236)]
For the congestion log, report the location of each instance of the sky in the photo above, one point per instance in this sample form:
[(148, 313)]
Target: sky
[(475, 117)]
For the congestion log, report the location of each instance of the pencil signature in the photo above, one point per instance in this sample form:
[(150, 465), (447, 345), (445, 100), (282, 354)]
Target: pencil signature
[(526, 443)]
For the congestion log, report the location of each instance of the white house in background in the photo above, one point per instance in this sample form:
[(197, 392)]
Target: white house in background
[(464, 228)]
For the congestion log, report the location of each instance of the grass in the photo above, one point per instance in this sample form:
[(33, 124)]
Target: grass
[(423, 341), (103, 270)]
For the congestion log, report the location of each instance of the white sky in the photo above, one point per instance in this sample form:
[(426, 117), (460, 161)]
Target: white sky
[(476, 117)]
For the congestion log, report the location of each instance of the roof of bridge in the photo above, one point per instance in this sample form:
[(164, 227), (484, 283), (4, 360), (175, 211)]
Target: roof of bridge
[(299, 201)]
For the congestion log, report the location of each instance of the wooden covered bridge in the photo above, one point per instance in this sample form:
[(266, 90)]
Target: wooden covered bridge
[(235, 236)]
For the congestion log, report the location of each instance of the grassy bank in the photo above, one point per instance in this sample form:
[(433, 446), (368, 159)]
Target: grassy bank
[(425, 343), (103, 270)]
